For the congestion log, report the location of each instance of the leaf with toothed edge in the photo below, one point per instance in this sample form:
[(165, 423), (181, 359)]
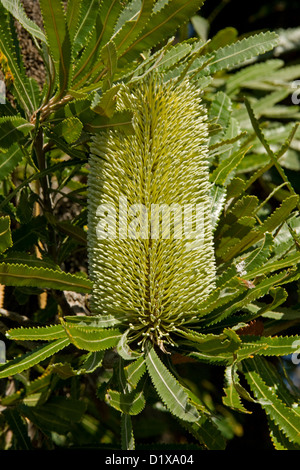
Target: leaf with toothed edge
[(30, 359), (168, 388), (22, 275)]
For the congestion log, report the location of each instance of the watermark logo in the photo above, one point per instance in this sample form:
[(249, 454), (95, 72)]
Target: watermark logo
[(296, 354), (2, 352), (2, 92), (296, 94), (159, 221)]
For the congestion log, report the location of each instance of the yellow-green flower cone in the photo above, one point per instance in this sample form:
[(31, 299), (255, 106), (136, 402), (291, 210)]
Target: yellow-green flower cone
[(154, 275)]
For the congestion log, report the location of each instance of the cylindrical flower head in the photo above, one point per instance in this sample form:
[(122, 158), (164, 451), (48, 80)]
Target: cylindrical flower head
[(150, 246)]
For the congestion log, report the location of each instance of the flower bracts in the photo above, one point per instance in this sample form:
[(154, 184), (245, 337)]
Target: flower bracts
[(150, 246)]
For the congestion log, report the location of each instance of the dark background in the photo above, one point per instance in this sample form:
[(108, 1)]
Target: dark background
[(249, 16)]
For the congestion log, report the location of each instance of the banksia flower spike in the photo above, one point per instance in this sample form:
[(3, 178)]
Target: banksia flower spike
[(150, 245)]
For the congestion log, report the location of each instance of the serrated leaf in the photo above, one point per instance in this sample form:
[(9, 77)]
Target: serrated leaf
[(105, 18), (93, 321), (272, 346), (269, 225), (30, 359), (92, 362), (22, 87), (70, 129), (279, 440), (58, 39), (276, 265), (106, 104), (207, 433), (133, 27), (260, 71), (134, 371), (16, 8), (124, 350), (232, 397), (87, 18), (92, 340), (220, 112), (73, 13), (170, 391), (257, 257), (161, 25), (131, 403), (218, 199), (225, 171), (284, 416), (5, 234), (127, 437), (22, 275), (12, 129), (239, 52), (41, 333)]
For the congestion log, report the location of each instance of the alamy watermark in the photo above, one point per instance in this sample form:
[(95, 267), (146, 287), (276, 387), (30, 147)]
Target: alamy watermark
[(296, 354), (2, 352), (296, 93), (2, 92), (159, 221)]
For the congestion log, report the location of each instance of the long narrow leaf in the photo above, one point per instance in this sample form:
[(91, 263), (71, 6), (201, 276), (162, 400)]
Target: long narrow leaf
[(169, 390), (22, 275), (17, 365)]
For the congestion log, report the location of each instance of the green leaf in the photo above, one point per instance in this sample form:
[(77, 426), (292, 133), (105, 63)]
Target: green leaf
[(22, 87), (279, 440), (92, 340), (41, 333), (258, 71), (257, 258), (275, 265), (170, 391), (57, 415), (161, 25), (284, 416), (22, 275), (105, 105), (70, 129), (74, 10), (93, 321), (239, 52), (5, 234), (220, 112), (232, 397), (127, 437), (269, 225), (207, 433), (225, 171), (131, 403), (133, 27), (134, 371), (101, 34), (12, 129), (30, 359), (58, 39), (124, 350), (270, 346), (16, 8), (87, 17), (218, 199), (18, 427), (92, 362)]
